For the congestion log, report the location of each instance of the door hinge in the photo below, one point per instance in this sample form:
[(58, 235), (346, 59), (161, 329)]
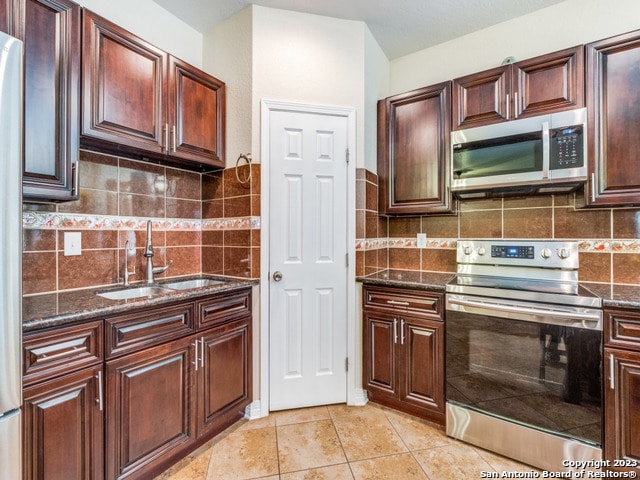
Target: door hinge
[(346, 259), (346, 364), (347, 155)]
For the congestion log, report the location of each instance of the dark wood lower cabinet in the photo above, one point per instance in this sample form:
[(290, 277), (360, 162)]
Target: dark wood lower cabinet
[(129, 404), (224, 376), (403, 348), (64, 418), (622, 389), (149, 417)]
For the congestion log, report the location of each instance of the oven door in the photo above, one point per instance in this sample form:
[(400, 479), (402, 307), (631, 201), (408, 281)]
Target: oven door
[(537, 365)]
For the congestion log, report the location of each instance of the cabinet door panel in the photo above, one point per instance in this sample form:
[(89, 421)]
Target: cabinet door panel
[(196, 113), (551, 82), (149, 412), (379, 354), (224, 383), (51, 33), (122, 87), (622, 406), (423, 363), (63, 427), (6, 15), (413, 151), (481, 98), (613, 106)]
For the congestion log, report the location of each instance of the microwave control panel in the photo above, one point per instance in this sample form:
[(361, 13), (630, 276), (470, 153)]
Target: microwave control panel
[(567, 147)]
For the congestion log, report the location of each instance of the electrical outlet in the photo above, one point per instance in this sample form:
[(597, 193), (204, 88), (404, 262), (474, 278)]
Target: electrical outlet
[(72, 244), (422, 240)]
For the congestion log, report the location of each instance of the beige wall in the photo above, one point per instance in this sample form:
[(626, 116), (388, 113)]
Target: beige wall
[(153, 23), (561, 26)]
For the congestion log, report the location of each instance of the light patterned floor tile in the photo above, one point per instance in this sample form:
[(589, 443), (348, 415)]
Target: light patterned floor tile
[(308, 445), (452, 462), (396, 467), (365, 432), (418, 434), (334, 472), (300, 415), (245, 454)]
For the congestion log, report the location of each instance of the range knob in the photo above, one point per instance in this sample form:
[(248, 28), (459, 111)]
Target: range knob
[(563, 253), (467, 250), (546, 253), (481, 251)]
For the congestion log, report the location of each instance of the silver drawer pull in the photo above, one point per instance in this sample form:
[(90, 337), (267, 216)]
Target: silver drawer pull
[(395, 302)]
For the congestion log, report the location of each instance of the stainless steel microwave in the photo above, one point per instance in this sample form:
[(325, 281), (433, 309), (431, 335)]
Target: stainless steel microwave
[(536, 155)]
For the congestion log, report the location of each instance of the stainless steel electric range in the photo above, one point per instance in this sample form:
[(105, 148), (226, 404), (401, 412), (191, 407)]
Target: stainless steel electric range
[(524, 352)]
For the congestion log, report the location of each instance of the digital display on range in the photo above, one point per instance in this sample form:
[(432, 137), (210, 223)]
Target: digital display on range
[(508, 251)]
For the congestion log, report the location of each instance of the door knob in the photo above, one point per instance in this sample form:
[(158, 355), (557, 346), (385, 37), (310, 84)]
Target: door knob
[(277, 276)]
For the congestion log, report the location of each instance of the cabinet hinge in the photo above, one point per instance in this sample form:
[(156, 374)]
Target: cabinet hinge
[(347, 155), (346, 364), (346, 259)]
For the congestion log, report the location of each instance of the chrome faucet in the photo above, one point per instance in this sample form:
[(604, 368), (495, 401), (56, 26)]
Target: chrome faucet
[(148, 253), (127, 273)]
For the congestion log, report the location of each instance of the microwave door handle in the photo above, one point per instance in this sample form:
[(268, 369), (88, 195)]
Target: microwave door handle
[(545, 150)]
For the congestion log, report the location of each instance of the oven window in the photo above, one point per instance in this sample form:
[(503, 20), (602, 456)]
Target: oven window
[(503, 156), (545, 376)]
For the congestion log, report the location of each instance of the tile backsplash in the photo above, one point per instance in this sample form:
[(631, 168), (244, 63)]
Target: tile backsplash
[(203, 222), (609, 239)]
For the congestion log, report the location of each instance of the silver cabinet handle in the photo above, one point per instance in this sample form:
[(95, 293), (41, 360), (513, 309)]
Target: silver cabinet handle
[(593, 187), (166, 137), (195, 344), (395, 302), (402, 331), (612, 372), (173, 139), (202, 350), (508, 106), (277, 276), (99, 400), (75, 179), (395, 330)]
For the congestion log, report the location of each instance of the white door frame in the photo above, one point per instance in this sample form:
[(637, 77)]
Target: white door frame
[(354, 394)]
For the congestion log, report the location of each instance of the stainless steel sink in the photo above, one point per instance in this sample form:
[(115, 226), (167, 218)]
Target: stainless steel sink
[(193, 283), (138, 292)]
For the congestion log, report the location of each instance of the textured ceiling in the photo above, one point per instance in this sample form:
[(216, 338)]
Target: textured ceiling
[(399, 26)]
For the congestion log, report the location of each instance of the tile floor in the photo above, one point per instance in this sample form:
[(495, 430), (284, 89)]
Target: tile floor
[(338, 442)]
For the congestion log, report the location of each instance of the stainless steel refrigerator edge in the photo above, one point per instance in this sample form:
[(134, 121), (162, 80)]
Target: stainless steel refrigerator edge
[(11, 101)]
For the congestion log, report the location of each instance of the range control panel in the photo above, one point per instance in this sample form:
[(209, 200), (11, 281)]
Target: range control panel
[(512, 251), (545, 254)]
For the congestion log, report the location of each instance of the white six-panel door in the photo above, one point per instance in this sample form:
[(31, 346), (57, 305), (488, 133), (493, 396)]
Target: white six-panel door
[(307, 264)]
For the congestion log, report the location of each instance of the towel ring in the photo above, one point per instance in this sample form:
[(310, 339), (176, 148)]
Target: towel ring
[(247, 159)]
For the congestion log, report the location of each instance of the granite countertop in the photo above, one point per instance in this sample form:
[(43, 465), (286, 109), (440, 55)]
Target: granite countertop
[(422, 280), (56, 309), (613, 295)]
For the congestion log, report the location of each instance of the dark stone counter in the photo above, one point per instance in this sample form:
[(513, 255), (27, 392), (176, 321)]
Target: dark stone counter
[(421, 280), (56, 309)]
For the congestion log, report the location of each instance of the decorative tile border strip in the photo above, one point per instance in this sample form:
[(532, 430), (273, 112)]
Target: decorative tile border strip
[(70, 221), (589, 246)]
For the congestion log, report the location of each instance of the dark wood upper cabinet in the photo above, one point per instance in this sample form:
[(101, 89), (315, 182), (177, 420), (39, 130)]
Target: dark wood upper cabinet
[(6, 16), (544, 84), (51, 33), (413, 151), (613, 106), (138, 99), (194, 96)]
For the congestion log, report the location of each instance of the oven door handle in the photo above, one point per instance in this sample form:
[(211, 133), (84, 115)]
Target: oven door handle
[(556, 314)]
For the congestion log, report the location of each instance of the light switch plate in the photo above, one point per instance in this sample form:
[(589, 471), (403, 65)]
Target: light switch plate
[(422, 240), (72, 244)]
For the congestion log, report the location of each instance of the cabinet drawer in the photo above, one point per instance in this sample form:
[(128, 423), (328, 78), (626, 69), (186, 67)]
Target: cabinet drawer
[(148, 327), (416, 302), (54, 352), (224, 307), (622, 329)]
